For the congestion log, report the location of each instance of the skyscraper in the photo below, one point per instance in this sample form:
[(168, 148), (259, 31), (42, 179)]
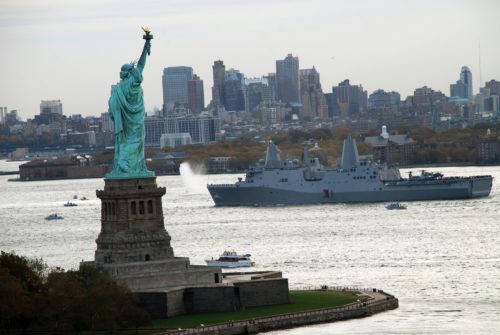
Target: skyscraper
[(332, 103), (258, 90), (196, 95), (492, 85), (351, 99), (219, 75), (234, 97), (312, 97), (459, 89), (463, 87), (381, 98), (287, 80), (175, 86), (271, 79), (466, 78), (51, 113), (51, 106)]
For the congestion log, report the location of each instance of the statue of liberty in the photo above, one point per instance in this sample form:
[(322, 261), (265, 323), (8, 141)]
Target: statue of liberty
[(126, 106)]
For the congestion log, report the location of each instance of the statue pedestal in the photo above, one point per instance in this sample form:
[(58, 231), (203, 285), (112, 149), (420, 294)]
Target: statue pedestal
[(133, 245)]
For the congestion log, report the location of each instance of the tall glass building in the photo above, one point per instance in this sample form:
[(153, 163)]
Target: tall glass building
[(175, 86), (466, 78), (463, 87)]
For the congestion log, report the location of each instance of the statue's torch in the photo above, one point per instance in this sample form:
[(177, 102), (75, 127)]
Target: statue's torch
[(148, 37)]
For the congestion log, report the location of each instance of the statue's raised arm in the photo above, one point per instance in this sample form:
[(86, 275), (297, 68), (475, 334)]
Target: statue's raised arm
[(146, 51)]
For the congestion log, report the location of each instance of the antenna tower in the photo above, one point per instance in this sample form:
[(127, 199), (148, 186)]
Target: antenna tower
[(480, 70)]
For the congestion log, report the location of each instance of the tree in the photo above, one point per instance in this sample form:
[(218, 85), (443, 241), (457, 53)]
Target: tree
[(296, 136), (65, 293), (106, 304), (422, 134), (403, 129), (437, 156), (341, 133), (14, 300), (63, 301), (30, 272), (129, 315), (323, 134), (26, 279)]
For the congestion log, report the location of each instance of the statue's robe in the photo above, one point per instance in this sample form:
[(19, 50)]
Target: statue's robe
[(126, 106)]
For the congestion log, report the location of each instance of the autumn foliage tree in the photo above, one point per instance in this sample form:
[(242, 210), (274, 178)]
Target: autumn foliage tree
[(32, 296)]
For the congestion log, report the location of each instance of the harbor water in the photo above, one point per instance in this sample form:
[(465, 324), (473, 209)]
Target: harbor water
[(440, 258)]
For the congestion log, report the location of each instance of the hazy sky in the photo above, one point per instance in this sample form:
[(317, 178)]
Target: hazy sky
[(72, 50)]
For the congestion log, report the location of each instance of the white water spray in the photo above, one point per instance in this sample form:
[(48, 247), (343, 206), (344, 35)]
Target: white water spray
[(192, 178)]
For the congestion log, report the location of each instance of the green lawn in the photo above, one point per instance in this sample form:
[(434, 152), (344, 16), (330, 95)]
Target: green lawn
[(300, 301)]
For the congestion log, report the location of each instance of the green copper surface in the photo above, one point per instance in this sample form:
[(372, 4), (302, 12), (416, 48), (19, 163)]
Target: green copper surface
[(126, 106)]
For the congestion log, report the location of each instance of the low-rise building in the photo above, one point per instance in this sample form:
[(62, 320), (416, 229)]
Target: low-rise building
[(202, 128), (219, 164), (487, 150), (391, 149), (175, 140)]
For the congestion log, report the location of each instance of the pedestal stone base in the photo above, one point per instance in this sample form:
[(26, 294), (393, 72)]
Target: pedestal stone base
[(133, 245)]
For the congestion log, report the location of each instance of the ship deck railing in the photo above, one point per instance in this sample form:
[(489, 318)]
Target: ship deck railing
[(445, 180), (222, 185)]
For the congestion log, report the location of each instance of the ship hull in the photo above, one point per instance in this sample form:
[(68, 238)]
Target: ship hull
[(240, 264), (249, 195)]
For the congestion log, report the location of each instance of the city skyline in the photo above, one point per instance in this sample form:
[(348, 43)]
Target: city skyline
[(69, 51)]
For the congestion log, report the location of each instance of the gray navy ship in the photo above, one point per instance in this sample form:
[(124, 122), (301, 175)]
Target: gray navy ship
[(274, 181)]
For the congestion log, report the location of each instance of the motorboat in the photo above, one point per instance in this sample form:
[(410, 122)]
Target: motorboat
[(53, 216), (395, 205), (70, 204), (231, 259)]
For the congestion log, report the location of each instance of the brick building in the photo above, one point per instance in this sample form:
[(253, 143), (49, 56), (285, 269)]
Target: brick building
[(487, 150), (391, 149)]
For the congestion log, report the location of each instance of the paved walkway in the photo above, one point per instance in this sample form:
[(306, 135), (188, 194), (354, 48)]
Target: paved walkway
[(377, 296)]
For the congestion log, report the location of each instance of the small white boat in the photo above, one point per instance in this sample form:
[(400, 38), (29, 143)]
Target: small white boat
[(70, 204), (230, 259), (395, 205), (53, 217)]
